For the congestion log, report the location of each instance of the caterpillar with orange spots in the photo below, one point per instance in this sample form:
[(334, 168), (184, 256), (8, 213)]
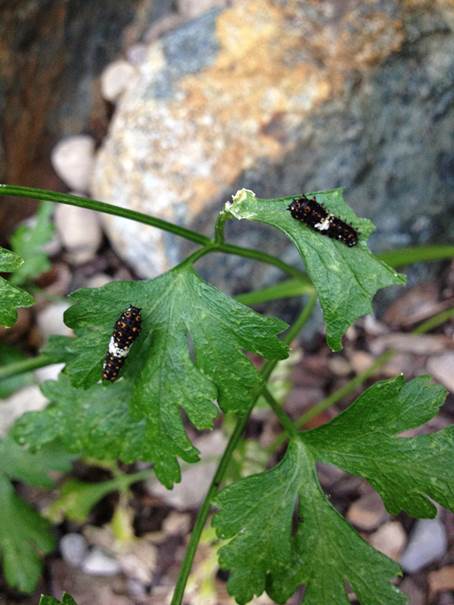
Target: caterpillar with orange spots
[(126, 330)]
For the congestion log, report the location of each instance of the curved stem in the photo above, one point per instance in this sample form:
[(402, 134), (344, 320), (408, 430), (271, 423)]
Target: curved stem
[(262, 257), (286, 421), (347, 388), (84, 202), (198, 238), (195, 256), (26, 365), (219, 226), (235, 437), (378, 363)]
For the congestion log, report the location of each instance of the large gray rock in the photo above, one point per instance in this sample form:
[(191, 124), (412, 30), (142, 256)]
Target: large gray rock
[(283, 97), (51, 56)]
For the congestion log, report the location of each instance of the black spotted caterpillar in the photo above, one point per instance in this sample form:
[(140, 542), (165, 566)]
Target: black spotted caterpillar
[(314, 215), (126, 330)]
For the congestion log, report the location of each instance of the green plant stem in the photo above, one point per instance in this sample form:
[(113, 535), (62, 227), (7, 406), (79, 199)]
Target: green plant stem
[(124, 480), (261, 257), (235, 437), (26, 365), (347, 388), (222, 218), (286, 422), (83, 202), (195, 256), (193, 236), (434, 322), (416, 254)]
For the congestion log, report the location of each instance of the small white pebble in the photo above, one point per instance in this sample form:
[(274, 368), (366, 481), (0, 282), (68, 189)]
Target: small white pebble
[(50, 320), (115, 79), (72, 159), (97, 563), (428, 543), (74, 549), (80, 232)]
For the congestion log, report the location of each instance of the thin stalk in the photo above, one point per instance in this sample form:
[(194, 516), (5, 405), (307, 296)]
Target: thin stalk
[(219, 227), (261, 257), (195, 256), (347, 388), (377, 364), (416, 254), (434, 322), (235, 437), (26, 365), (198, 238), (124, 480), (83, 202), (286, 421)]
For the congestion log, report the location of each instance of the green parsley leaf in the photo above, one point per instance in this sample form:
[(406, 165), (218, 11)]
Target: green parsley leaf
[(66, 600), (346, 279), (408, 472), (324, 553), (24, 535), (10, 296), (190, 353), (19, 464), (190, 350), (24, 538), (28, 241), (97, 423)]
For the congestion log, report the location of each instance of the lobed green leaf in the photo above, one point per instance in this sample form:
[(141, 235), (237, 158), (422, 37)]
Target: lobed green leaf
[(21, 465), (257, 514), (97, 423), (346, 279), (408, 472), (24, 537), (324, 553), (190, 354)]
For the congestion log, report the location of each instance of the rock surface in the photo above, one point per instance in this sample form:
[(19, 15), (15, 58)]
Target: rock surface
[(357, 94), (51, 57), (389, 539), (367, 512), (73, 548)]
